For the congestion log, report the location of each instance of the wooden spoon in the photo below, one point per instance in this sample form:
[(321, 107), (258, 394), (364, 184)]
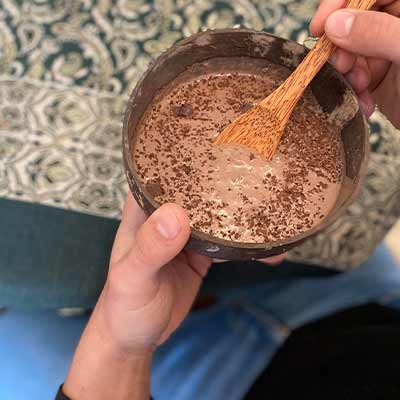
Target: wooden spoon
[(262, 127)]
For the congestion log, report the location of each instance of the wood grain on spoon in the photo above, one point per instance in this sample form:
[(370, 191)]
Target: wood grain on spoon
[(262, 127)]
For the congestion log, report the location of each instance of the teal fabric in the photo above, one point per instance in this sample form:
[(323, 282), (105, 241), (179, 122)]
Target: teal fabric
[(54, 258), (51, 257)]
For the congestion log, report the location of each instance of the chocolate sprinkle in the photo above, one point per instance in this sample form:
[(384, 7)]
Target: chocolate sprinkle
[(183, 110), (229, 191), (154, 188)]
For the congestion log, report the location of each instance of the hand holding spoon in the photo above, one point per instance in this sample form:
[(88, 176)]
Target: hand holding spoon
[(262, 127)]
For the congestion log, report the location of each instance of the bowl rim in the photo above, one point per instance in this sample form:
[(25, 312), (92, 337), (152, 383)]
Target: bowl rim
[(204, 237)]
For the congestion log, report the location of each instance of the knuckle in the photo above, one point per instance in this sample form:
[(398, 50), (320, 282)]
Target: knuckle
[(149, 247), (144, 249), (116, 277)]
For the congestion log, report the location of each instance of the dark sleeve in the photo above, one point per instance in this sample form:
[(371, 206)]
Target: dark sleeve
[(62, 396)]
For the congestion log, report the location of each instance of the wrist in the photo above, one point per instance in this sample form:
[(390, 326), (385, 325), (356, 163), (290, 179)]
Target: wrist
[(122, 345), (103, 369)]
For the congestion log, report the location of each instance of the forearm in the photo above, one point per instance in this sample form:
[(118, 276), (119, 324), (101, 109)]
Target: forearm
[(101, 370), (149, 291)]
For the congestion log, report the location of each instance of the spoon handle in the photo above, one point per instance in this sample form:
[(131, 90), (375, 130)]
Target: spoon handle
[(324, 48), (290, 92)]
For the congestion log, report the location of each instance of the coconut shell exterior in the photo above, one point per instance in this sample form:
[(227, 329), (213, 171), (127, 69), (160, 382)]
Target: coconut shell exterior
[(329, 87)]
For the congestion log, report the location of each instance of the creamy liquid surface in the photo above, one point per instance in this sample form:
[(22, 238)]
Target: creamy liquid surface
[(229, 191)]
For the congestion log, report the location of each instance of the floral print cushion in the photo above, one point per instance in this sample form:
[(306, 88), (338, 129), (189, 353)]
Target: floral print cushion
[(66, 70)]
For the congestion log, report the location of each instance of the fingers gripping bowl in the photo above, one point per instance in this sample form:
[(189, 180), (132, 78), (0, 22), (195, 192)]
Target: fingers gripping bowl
[(238, 66)]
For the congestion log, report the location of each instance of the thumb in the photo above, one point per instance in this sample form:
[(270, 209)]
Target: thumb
[(158, 241), (366, 33)]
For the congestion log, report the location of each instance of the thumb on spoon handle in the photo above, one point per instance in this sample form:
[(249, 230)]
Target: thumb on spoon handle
[(293, 88)]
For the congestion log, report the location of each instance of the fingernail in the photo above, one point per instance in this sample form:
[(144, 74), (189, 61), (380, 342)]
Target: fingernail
[(167, 224), (339, 24)]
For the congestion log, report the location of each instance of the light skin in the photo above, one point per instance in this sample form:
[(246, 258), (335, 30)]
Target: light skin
[(151, 286), (369, 51), (152, 282)]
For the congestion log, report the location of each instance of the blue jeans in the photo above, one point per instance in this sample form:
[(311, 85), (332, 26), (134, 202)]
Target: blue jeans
[(218, 352)]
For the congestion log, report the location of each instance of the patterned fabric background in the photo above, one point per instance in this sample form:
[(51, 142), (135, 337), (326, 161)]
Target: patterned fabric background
[(67, 68)]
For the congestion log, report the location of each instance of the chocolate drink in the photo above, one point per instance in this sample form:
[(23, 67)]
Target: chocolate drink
[(229, 191)]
